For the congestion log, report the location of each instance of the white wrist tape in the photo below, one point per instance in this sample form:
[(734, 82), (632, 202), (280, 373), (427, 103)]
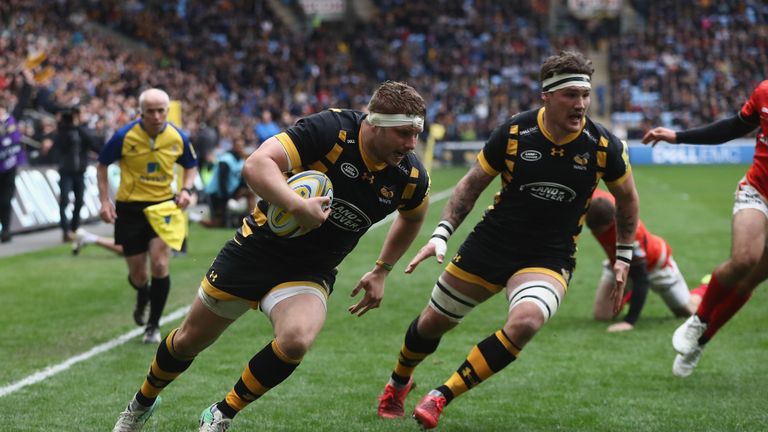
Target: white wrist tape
[(440, 237), (624, 252)]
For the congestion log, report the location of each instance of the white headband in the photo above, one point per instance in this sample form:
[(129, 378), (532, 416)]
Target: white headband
[(560, 81), (393, 120)]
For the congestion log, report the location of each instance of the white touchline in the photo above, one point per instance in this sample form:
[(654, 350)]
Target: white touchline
[(106, 346), (98, 349)]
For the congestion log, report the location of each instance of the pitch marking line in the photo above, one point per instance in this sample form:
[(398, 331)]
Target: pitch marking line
[(50, 371)]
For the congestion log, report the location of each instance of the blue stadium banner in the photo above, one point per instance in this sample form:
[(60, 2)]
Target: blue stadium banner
[(736, 152), (740, 151)]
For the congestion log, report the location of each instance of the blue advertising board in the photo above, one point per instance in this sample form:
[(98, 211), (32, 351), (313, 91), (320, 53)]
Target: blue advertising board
[(735, 152)]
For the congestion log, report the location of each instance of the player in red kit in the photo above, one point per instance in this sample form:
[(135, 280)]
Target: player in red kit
[(652, 267), (734, 280)]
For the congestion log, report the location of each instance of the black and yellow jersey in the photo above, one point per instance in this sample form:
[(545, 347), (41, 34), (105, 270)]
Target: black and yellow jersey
[(363, 192), (546, 186), (146, 164)]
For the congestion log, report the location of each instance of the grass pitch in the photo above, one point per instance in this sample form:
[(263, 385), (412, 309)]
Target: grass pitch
[(572, 377)]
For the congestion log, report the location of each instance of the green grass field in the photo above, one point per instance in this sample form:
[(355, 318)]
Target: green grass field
[(574, 376)]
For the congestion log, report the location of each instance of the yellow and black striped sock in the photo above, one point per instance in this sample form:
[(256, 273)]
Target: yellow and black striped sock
[(414, 350), (166, 366), (491, 355), (268, 368)]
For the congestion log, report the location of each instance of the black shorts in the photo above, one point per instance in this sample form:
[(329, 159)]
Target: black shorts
[(483, 263), (132, 229), (246, 269)]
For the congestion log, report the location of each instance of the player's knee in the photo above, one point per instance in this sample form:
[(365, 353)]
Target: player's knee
[(159, 269), (295, 344), (525, 322), (433, 325), (743, 263), (186, 344)]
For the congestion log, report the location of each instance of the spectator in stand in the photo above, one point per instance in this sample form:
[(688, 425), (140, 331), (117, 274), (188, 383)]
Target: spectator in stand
[(74, 146), (227, 183), (12, 153), (266, 127)]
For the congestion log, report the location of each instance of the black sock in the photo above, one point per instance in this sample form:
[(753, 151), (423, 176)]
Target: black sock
[(158, 294)]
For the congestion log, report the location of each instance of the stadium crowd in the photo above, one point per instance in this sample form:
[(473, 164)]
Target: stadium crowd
[(688, 63), (238, 70)]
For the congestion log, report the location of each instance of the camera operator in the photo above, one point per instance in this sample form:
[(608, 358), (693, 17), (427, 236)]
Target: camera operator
[(73, 143)]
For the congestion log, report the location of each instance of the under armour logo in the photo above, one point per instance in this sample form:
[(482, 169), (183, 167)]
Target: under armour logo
[(213, 276), (469, 377), (557, 152), (368, 177)]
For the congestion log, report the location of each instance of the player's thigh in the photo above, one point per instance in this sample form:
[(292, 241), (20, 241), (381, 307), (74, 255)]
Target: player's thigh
[(668, 282), (297, 320), (534, 297), (200, 328), (452, 298), (758, 274), (750, 222)]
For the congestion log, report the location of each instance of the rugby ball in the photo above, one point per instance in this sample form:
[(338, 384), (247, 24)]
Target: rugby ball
[(307, 184)]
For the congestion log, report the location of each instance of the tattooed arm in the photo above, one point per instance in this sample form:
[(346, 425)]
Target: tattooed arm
[(465, 194), (627, 210), (459, 205)]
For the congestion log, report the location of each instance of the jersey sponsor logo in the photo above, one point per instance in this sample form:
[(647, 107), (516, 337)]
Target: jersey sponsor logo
[(530, 155), (549, 191), (368, 177), (155, 179), (589, 135), (348, 217), (387, 193), (349, 170), (557, 152), (529, 131), (581, 161), (405, 169)]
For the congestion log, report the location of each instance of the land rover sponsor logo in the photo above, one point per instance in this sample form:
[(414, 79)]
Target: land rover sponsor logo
[(530, 155), (348, 217), (549, 191), (349, 170)]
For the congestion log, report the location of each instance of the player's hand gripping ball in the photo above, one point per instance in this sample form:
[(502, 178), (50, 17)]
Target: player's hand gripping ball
[(307, 184)]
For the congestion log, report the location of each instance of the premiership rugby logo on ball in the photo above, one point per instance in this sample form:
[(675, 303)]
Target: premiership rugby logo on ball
[(307, 184)]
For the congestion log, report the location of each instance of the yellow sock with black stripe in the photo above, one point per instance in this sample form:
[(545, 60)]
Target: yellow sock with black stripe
[(414, 350), (491, 355), (166, 367), (268, 368)]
